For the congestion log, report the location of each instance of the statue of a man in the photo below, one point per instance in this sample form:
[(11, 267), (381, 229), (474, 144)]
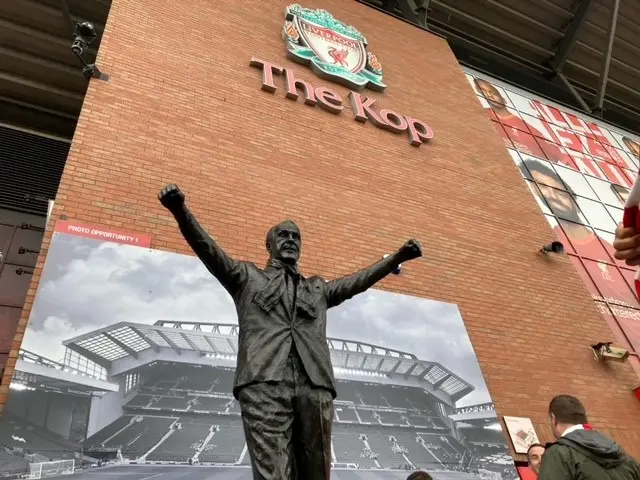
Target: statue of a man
[(284, 378)]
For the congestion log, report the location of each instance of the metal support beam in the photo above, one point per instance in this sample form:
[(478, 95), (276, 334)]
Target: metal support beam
[(192, 345), (565, 81), (144, 337), (409, 11), (170, 342), (67, 16), (569, 39), (214, 350), (439, 383), (395, 368), (423, 13), (126, 348), (389, 5), (606, 58), (89, 355)]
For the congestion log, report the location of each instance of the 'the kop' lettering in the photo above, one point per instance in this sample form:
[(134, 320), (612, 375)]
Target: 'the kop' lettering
[(363, 107)]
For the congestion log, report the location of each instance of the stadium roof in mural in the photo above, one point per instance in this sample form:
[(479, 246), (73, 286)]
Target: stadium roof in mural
[(34, 372), (220, 341)]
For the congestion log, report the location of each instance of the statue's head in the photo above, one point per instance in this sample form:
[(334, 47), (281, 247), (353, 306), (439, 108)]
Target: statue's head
[(284, 242)]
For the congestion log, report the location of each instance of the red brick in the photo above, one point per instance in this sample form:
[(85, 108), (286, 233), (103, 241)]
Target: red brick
[(182, 94)]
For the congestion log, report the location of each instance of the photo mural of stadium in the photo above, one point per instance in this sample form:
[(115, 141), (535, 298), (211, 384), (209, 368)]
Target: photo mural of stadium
[(148, 378)]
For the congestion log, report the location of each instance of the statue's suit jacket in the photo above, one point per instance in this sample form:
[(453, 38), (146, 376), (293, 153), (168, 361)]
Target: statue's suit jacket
[(265, 338)]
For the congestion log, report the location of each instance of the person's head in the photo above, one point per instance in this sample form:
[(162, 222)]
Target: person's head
[(419, 476), (620, 191), (534, 456), (566, 411), (491, 93), (284, 242), (632, 145), (555, 193)]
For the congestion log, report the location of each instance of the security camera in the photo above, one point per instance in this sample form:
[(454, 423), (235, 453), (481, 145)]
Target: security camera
[(83, 35), (553, 247), (604, 350)]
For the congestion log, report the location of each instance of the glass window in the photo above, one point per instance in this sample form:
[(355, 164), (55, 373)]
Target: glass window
[(522, 104), (621, 158), (629, 320), (577, 124), (542, 171), (560, 235), (630, 277), (616, 213), (586, 164), (524, 142), (502, 134), (510, 118), (621, 192), (611, 284), (549, 113), (596, 214), (607, 239), (538, 196), (585, 242), (586, 278), (576, 182), (561, 204), (604, 190), (494, 94), (555, 153), (515, 156), (627, 142)]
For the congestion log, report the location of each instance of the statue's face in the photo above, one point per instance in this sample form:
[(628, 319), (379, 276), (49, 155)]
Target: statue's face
[(285, 243)]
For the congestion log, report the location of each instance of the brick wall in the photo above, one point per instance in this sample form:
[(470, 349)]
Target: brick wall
[(183, 105)]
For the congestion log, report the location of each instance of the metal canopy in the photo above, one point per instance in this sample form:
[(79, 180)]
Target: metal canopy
[(107, 345), (41, 82), (584, 53), (523, 41)]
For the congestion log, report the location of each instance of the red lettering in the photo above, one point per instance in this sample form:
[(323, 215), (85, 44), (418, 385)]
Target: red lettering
[(328, 100), (419, 132), (292, 88), (363, 108), (268, 69), (395, 122)]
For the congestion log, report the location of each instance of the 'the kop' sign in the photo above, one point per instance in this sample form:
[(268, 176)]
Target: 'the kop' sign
[(327, 99)]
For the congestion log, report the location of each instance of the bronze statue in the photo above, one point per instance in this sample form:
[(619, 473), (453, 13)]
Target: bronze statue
[(284, 378)]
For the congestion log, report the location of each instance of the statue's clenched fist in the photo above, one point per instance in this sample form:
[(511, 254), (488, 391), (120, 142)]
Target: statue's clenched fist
[(410, 250), (171, 198)]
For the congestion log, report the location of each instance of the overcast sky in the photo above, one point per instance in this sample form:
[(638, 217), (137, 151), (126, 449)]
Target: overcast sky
[(89, 284)]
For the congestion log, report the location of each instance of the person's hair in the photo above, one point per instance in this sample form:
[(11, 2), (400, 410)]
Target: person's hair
[(568, 410), (419, 476), (629, 142), (533, 445), (272, 231), (537, 166), (480, 82)]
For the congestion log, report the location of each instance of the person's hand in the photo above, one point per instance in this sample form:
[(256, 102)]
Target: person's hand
[(410, 250), (627, 245), (171, 198)]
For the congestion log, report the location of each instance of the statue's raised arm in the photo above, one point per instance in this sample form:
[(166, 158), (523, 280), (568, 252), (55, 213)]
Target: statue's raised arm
[(227, 270), (341, 289)]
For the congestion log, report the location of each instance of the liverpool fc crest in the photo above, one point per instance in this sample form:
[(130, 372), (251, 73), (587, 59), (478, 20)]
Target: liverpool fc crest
[(334, 50)]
